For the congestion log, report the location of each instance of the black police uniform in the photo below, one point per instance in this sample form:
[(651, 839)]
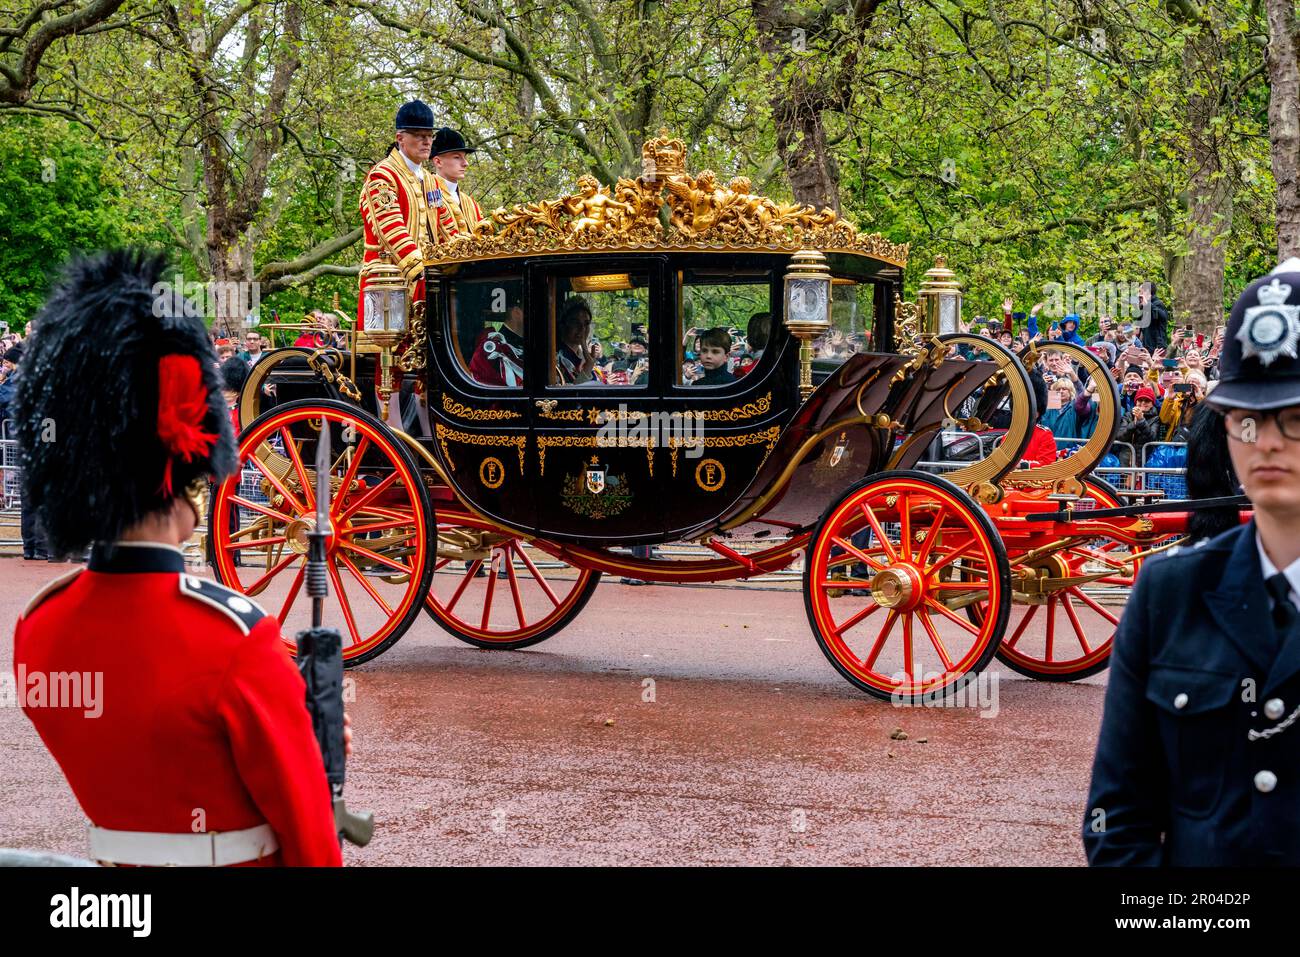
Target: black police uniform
[(1198, 760)]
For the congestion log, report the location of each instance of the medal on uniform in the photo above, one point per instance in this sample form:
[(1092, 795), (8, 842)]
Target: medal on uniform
[(434, 197), (1272, 328)]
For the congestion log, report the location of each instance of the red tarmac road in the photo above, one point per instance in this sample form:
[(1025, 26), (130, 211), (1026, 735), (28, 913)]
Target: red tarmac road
[(667, 725)]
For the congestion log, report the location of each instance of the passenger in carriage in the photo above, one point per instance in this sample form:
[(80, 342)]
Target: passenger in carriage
[(498, 357), (715, 345), (574, 360)]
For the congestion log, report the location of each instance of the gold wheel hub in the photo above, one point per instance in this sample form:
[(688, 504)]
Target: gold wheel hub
[(896, 587), (296, 535)]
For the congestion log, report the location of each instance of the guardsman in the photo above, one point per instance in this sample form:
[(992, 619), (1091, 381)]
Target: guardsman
[(456, 213), (1198, 761), (396, 202), (168, 701)]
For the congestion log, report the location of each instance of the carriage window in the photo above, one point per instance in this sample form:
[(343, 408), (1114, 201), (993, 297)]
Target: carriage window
[(725, 322), (487, 326), (600, 328), (852, 313)]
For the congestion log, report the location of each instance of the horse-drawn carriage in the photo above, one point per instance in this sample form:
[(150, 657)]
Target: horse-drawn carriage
[(495, 508)]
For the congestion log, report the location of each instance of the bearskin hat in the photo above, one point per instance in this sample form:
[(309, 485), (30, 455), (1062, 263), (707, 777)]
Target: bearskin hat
[(118, 407)]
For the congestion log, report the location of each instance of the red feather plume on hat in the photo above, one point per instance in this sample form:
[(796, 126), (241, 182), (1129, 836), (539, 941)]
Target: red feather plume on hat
[(182, 405)]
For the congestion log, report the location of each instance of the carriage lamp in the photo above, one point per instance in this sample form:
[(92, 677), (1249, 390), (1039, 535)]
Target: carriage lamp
[(385, 320), (940, 299), (807, 307)]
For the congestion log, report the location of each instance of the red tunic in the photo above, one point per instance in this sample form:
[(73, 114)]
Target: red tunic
[(396, 218), (1041, 449), (202, 723)]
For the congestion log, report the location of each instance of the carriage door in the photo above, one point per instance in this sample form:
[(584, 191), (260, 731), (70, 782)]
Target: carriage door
[(595, 351)]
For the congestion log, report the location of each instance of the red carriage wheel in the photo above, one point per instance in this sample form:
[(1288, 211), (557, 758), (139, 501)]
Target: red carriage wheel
[(493, 590), (381, 551), (1068, 635), (880, 593)]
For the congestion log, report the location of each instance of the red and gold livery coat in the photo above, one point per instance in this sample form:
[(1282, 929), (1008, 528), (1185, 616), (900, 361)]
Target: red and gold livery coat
[(396, 216), (453, 218)]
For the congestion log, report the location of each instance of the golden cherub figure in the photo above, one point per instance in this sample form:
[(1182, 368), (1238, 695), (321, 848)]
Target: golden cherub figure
[(594, 209)]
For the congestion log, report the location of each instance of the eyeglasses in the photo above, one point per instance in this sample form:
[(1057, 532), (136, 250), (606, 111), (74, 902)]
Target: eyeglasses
[(1243, 424)]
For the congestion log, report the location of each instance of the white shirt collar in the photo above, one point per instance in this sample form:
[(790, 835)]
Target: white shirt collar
[(415, 168), (1292, 571), (453, 189)]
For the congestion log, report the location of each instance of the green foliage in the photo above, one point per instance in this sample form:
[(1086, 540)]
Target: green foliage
[(57, 196)]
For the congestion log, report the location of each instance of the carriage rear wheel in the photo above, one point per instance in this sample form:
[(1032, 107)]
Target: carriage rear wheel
[(380, 553), (492, 589), (1069, 634), (883, 593)]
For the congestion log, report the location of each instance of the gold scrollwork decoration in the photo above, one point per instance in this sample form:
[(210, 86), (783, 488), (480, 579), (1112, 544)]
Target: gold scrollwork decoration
[(747, 411), (452, 407), (446, 435), (702, 214), (545, 442)]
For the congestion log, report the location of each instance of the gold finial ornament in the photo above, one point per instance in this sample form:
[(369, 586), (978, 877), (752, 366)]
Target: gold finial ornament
[(807, 307), (702, 214)]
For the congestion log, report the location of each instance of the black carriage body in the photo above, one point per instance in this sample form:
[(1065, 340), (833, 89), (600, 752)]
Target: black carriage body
[(597, 464)]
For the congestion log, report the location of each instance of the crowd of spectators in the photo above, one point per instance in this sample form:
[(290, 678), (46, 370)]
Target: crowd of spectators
[(1162, 374)]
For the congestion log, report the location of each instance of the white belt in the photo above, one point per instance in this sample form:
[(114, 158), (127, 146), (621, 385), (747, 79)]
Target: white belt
[(209, 849)]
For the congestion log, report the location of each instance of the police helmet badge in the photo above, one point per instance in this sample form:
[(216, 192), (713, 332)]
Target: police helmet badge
[(1272, 328)]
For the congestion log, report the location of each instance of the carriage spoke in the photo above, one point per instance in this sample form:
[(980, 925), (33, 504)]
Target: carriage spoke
[(261, 509), (470, 572), (257, 586), (904, 543), (295, 456), (881, 638), (491, 590), (536, 574), (907, 648), (935, 640), (951, 557), (279, 487), (1051, 628), (866, 612), (514, 588), (858, 553), (348, 476), (366, 584), (343, 601), (1074, 620), (1093, 605), (293, 594), (951, 616), (881, 537), (370, 493), (1024, 623), (928, 544), (376, 557), (254, 543)]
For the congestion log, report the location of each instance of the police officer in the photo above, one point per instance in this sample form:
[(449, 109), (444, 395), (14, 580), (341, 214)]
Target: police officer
[(1198, 762), (186, 739)]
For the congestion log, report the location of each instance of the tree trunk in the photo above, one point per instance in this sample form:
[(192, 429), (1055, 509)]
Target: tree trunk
[(1199, 299), (797, 107), (1284, 122)]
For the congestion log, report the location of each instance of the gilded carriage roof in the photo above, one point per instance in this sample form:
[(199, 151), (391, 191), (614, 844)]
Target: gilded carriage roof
[(665, 208)]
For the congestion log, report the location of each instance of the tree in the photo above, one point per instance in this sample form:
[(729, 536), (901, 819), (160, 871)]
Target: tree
[(1284, 122)]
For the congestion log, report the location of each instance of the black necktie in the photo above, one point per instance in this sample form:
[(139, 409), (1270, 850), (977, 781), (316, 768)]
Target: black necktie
[(1284, 613)]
